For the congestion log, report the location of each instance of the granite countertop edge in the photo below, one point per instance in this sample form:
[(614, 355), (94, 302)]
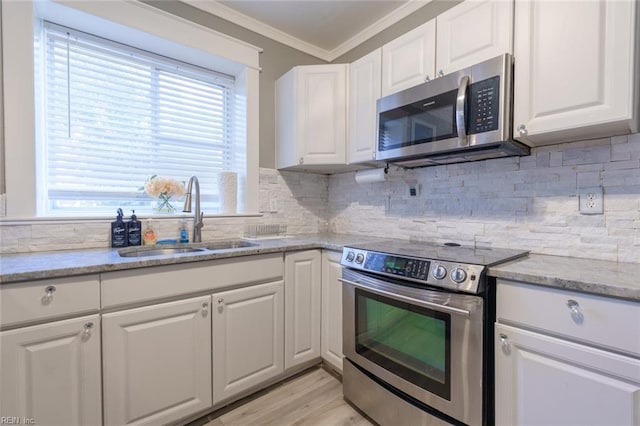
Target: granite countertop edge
[(600, 277)]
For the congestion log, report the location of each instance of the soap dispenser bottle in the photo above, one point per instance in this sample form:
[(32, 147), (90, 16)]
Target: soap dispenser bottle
[(149, 236), (183, 231), (134, 230), (118, 231)]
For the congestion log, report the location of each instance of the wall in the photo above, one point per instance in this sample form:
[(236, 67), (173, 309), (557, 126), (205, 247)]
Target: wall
[(518, 202)]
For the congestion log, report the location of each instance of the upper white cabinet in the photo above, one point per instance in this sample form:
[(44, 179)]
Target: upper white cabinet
[(157, 362), (409, 59), (472, 32), (311, 115), (364, 91), (51, 373), (576, 69)]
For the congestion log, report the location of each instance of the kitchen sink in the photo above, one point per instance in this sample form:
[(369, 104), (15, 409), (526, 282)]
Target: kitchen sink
[(228, 244), (157, 251)]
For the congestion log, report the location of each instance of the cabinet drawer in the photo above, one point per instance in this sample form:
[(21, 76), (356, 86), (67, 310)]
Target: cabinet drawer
[(44, 299), (601, 321)]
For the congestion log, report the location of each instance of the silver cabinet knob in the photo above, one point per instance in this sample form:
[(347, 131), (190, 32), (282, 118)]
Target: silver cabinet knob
[(522, 129), (301, 160), (427, 78), (220, 301), (440, 73), (87, 329), (48, 294), (576, 314), (506, 346), (205, 309)]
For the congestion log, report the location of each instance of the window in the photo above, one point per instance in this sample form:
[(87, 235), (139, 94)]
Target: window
[(115, 115)]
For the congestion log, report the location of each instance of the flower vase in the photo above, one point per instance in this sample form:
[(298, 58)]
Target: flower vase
[(162, 205)]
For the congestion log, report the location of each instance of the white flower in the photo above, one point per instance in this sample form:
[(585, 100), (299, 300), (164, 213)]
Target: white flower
[(167, 187)]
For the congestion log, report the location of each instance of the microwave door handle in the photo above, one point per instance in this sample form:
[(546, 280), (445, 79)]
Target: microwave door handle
[(460, 119)]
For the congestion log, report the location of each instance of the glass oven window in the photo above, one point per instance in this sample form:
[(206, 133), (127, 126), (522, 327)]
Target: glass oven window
[(410, 341)]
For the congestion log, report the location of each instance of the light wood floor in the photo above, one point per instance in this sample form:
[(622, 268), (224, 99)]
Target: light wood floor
[(311, 399)]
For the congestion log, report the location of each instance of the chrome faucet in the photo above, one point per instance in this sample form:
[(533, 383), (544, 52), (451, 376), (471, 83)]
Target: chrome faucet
[(197, 215)]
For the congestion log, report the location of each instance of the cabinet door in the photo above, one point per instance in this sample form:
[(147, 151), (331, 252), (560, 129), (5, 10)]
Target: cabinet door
[(409, 59), (331, 342), (51, 372), (472, 32), (542, 380), (302, 292), (364, 91), (157, 362), (322, 113), (574, 69), (247, 338)]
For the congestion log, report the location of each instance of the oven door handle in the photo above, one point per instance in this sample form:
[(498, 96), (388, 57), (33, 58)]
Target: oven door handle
[(425, 304)]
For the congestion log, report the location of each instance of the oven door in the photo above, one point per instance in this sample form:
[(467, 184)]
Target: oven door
[(425, 343)]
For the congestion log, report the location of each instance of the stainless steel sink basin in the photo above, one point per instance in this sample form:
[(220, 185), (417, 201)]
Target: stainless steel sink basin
[(228, 244), (157, 251)]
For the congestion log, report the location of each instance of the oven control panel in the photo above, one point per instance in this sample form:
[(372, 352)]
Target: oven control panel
[(446, 274)]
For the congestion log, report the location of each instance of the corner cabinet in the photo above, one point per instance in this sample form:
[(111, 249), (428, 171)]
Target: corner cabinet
[(311, 117), (248, 328), (331, 342), (576, 70), (302, 281), (578, 362), (157, 362)]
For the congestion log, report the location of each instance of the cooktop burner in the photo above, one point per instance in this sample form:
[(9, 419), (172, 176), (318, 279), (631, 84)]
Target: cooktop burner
[(451, 266)]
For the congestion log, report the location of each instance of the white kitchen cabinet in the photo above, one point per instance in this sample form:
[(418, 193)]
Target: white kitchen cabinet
[(409, 59), (542, 380), (302, 293), (311, 116), (564, 357), (157, 362), (364, 91), (51, 372), (331, 341), (576, 70), (472, 32), (248, 341)]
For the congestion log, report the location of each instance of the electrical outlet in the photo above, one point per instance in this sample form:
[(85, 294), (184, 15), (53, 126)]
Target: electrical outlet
[(591, 200)]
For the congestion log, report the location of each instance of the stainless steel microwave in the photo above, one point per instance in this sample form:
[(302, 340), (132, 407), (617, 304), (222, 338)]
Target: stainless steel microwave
[(462, 116)]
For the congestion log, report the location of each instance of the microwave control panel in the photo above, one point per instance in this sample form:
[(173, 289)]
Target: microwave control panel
[(484, 105)]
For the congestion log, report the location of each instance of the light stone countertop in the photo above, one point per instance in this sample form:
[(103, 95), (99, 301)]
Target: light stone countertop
[(613, 279), (601, 277)]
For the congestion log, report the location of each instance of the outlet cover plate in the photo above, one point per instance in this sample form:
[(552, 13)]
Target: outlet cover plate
[(591, 200)]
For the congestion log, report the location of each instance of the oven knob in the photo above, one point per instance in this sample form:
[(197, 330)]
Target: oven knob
[(458, 275), (350, 256), (439, 272), (359, 258)]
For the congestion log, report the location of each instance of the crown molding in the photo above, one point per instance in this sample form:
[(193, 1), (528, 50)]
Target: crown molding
[(218, 9)]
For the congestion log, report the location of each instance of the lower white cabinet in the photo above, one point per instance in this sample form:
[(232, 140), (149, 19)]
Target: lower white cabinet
[(51, 373), (302, 282), (543, 380), (248, 328), (157, 362), (331, 341)]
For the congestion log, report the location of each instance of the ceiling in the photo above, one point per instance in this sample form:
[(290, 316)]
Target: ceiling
[(323, 28)]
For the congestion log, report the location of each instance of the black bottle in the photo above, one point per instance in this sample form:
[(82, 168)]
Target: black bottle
[(134, 230), (118, 231)]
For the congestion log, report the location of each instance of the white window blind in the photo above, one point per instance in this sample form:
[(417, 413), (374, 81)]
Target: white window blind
[(115, 115)]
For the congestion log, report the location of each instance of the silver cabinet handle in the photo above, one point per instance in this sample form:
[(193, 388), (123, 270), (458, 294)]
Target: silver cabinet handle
[(48, 294), (522, 129), (460, 119), (506, 346), (220, 301), (576, 314), (301, 160), (440, 73), (205, 309), (88, 327), (427, 78)]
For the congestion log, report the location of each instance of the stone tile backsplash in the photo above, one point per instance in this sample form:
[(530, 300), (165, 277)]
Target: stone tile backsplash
[(518, 202)]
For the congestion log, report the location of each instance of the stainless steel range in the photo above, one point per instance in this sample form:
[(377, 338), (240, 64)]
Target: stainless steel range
[(417, 332)]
